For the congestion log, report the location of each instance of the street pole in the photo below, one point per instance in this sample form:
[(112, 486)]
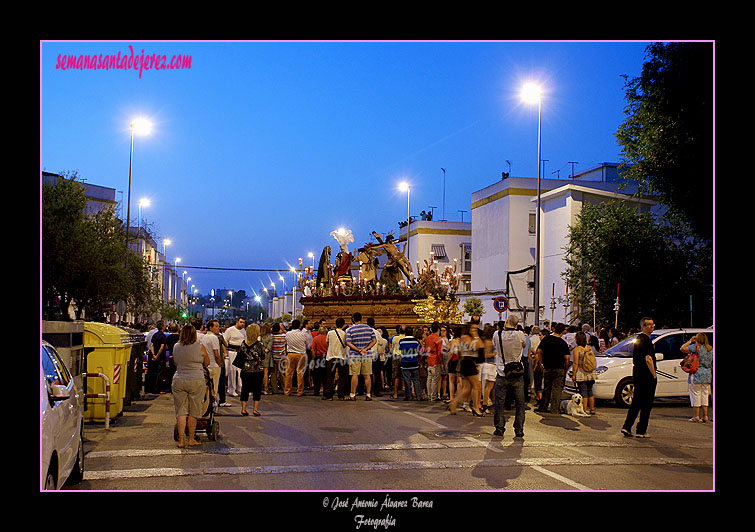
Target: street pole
[(444, 194), (537, 220)]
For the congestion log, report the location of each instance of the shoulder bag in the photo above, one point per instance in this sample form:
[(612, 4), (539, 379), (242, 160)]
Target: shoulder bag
[(511, 369)]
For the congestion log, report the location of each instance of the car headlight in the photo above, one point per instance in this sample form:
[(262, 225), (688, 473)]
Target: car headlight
[(601, 369)]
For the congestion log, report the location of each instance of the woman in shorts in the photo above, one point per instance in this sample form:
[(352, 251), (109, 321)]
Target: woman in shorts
[(470, 344), (189, 385), (584, 379)]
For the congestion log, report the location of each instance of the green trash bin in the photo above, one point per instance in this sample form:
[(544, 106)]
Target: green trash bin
[(107, 350)]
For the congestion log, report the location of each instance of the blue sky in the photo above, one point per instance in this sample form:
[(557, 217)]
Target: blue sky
[(261, 149)]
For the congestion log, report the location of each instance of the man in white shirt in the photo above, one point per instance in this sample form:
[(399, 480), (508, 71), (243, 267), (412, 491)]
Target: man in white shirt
[(233, 337), (508, 345), (212, 346), (298, 342)]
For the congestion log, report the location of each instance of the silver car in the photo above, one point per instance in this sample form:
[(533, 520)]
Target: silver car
[(62, 422), (615, 367)]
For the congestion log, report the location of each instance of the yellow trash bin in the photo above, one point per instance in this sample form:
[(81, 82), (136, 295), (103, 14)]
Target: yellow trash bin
[(107, 350)]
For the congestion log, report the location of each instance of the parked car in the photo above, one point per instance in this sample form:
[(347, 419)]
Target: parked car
[(62, 421), (615, 367)]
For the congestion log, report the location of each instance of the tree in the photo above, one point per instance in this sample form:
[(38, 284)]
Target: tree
[(84, 257), (667, 138), (63, 207), (473, 306), (654, 263)]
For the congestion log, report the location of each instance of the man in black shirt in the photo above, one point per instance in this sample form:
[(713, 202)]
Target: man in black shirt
[(645, 380), (553, 355)]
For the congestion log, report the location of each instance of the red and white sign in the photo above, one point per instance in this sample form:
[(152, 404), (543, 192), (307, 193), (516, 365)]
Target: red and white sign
[(117, 374)]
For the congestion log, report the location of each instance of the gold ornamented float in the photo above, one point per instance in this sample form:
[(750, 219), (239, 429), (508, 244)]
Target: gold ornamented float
[(398, 297)]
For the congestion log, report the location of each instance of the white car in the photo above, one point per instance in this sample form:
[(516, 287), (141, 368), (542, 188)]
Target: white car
[(614, 367), (62, 422)]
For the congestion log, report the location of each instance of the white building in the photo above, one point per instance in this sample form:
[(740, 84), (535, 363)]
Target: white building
[(504, 236), (448, 242)]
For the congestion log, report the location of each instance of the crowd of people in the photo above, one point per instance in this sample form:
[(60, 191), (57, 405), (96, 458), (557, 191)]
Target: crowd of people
[(482, 370)]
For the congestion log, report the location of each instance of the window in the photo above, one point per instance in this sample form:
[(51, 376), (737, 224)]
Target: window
[(670, 347), (532, 223), (55, 371), (466, 257), (439, 251)]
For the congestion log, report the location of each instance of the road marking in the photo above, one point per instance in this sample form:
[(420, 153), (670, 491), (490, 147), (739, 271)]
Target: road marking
[(430, 421), (466, 442), (534, 463), (565, 480)]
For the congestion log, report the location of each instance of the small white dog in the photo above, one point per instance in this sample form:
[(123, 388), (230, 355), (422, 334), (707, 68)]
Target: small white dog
[(574, 406)]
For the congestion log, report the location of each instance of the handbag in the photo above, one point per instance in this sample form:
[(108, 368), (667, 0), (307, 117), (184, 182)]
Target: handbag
[(513, 369), (240, 359), (690, 363)]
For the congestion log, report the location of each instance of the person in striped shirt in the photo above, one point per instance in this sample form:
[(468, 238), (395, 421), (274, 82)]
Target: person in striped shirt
[(360, 338), (279, 355), (410, 349)]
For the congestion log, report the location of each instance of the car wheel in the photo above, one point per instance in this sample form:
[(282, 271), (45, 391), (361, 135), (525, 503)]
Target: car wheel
[(624, 392), (77, 473)]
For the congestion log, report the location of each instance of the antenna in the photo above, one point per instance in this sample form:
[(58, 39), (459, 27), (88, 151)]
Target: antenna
[(444, 193), (572, 163)]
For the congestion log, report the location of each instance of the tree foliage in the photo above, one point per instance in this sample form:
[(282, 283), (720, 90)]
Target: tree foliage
[(655, 265), (474, 307), (667, 138), (84, 257)]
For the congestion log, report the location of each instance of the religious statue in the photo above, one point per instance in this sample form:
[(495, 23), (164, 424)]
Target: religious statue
[(342, 271), (324, 280), (397, 259)]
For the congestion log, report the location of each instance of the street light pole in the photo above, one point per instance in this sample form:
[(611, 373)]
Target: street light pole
[(128, 204), (406, 186), (530, 93), (141, 126), (537, 220)]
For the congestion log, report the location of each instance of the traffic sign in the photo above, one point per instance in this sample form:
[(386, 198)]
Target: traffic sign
[(500, 304)]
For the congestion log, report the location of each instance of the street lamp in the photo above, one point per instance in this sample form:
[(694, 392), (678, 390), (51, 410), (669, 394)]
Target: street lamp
[(175, 271), (166, 242), (293, 293), (532, 93), (404, 186), (146, 203), (140, 126)]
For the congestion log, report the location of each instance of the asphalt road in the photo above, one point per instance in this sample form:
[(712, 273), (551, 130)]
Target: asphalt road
[(387, 445)]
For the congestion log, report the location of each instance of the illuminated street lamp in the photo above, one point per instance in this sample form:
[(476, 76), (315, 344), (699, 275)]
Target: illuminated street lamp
[(404, 186), (140, 126), (293, 293), (532, 93), (146, 203), (166, 242), (175, 271)]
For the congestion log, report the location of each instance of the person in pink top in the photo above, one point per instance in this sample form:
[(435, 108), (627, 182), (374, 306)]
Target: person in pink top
[(434, 351)]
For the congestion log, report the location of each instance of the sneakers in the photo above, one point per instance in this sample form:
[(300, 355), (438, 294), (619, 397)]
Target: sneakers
[(368, 398), (642, 435), (225, 404), (627, 433)]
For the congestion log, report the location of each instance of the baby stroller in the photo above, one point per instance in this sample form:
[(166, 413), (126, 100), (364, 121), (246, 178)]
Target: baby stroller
[(206, 425)]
